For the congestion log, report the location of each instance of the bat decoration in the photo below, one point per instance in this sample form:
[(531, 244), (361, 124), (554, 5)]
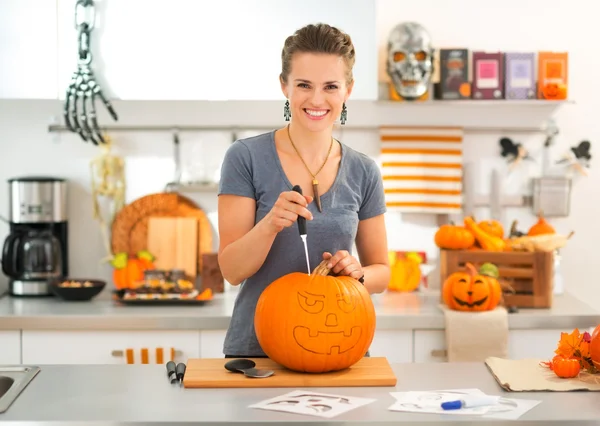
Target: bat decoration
[(582, 150), (514, 152), (578, 156)]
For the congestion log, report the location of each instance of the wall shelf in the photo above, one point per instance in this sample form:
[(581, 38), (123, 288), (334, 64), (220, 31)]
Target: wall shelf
[(475, 102), (527, 116)]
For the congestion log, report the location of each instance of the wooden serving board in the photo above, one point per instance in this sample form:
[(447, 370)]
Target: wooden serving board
[(211, 373)]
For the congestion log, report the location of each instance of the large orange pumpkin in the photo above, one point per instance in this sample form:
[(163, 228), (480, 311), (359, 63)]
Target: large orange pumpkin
[(470, 290), (315, 323), (595, 347)]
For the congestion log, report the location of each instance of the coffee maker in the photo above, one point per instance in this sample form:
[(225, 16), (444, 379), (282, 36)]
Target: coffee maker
[(35, 251)]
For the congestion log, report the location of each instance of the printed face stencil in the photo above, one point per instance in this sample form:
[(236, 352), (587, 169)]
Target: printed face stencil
[(328, 323)]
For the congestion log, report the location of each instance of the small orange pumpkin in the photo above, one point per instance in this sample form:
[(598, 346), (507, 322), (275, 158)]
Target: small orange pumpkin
[(565, 368), (315, 323), (471, 290), (595, 347), (128, 270), (492, 227), (454, 237), (541, 227)]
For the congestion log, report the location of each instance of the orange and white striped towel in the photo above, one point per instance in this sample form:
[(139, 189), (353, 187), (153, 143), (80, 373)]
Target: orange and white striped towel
[(148, 356), (422, 168)]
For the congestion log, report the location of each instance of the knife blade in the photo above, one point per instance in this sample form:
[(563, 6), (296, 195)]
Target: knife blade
[(302, 229)]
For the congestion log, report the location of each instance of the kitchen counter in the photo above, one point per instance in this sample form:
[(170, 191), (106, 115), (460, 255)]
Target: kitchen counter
[(395, 311), (142, 395)]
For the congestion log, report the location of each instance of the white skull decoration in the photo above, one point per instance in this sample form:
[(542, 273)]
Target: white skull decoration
[(410, 60)]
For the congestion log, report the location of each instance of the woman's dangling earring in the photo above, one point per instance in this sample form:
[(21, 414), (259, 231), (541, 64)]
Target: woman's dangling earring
[(286, 111), (344, 115)]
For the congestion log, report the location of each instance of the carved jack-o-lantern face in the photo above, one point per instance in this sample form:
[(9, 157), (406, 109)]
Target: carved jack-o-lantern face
[(315, 323), (471, 291)]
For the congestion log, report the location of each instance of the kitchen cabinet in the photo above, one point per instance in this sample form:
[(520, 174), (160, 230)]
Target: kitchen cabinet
[(105, 347), (206, 49), (10, 344), (430, 345), (211, 343), (395, 345), (28, 49)]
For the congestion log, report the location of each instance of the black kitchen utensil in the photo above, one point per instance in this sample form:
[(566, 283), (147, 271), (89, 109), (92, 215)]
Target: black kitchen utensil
[(180, 371), (247, 366), (302, 229), (171, 371)]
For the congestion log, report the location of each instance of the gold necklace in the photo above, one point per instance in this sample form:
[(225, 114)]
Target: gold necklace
[(315, 182)]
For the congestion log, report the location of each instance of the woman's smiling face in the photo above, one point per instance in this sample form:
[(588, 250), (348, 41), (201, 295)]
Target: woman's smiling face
[(316, 89)]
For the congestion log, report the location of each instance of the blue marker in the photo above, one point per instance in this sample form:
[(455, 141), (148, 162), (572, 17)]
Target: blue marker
[(470, 402)]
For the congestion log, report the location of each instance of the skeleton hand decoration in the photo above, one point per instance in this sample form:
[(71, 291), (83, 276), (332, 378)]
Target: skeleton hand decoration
[(410, 60), (80, 109)]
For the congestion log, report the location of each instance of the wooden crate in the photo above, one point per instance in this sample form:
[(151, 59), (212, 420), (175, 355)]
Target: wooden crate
[(530, 275)]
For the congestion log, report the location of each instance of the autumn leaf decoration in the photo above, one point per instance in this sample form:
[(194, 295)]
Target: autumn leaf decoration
[(576, 345)]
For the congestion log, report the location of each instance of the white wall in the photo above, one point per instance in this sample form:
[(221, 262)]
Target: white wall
[(23, 123)]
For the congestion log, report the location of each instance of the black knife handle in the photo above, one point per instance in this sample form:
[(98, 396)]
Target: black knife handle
[(171, 371), (301, 219), (180, 371), (170, 368)]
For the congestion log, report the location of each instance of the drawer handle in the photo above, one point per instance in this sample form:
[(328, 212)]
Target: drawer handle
[(439, 353), (118, 353)]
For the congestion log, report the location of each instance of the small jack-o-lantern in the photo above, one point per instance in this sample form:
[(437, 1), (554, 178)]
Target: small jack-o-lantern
[(555, 91), (471, 290), (315, 323)]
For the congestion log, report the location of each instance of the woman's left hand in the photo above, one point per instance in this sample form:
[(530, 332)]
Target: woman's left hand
[(343, 263)]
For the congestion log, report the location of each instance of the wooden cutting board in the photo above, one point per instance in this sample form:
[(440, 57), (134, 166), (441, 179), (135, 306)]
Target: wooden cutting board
[(211, 373), (174, 243)]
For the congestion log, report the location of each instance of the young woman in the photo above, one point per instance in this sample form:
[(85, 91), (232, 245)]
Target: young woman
[(342, 201)]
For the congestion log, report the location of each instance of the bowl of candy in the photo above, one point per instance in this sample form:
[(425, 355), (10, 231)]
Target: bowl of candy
[(79, 289)]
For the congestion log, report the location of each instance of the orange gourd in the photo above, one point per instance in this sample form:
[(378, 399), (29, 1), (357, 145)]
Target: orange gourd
[(486, 241), (128, 270), (454, 237), (565, 368), (315, 323), (595, 347), (471, 290), (405, 273), (541, 227), (492, 227)]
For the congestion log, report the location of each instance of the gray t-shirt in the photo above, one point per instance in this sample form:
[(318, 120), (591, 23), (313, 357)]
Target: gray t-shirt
[(251, 168)]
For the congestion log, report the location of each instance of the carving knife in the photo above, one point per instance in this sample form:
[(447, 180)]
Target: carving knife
[(302, 229)]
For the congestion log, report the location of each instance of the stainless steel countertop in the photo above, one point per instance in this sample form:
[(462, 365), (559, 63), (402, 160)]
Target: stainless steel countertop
[(395, 311), (142, 395)]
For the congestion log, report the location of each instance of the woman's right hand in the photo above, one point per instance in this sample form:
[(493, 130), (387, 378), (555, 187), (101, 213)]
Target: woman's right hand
[(286, 210)]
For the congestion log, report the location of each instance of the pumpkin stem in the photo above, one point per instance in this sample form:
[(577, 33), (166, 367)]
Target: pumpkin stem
[(471, 269), (321, 269)]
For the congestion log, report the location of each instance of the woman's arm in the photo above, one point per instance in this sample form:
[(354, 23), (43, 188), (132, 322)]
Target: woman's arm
[(372, 250), (243, 247)]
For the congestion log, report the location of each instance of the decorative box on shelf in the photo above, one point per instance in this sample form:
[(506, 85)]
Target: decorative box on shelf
[(527, 277)]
